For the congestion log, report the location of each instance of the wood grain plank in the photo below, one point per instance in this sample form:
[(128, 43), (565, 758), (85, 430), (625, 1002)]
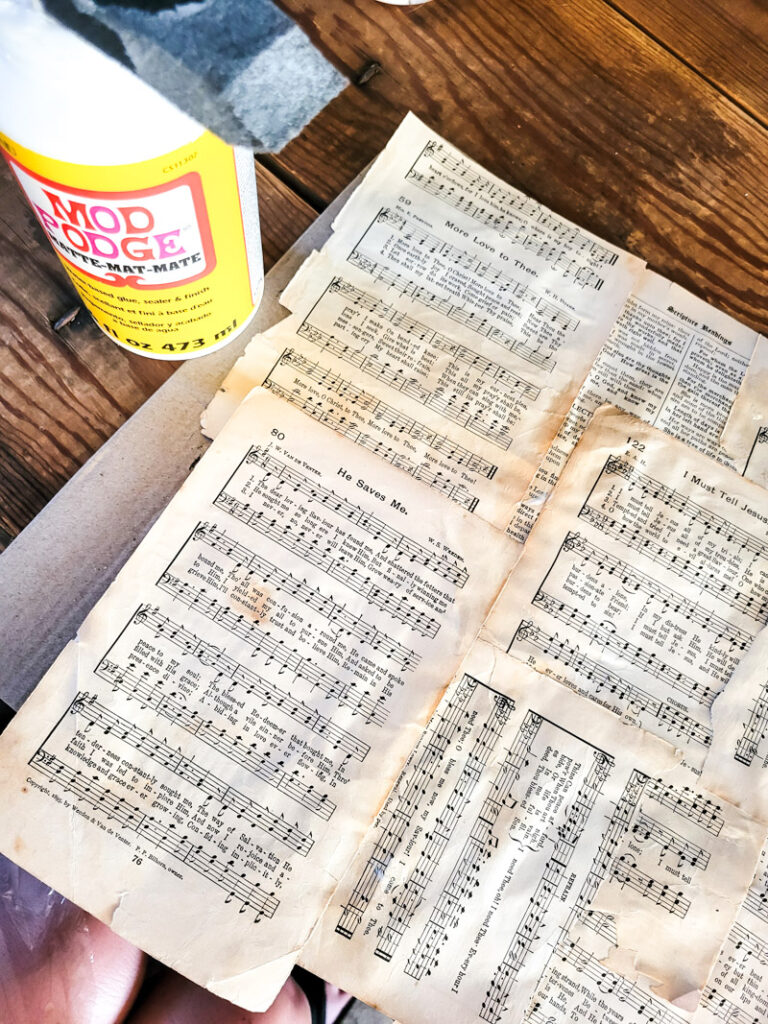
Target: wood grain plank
[(64, 393), (574, 105), (727, 43)]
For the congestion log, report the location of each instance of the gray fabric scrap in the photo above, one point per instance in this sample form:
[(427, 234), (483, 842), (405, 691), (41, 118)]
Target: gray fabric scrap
[(241, 67)]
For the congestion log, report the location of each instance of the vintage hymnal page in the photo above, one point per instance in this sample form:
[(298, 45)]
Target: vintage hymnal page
[(446, 326), (672, 360), (199, 765), (737, 990), (644, 583), (537, 859), (745, 437)]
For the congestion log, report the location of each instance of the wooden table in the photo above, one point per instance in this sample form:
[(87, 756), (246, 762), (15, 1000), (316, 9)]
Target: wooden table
[(645, 121)]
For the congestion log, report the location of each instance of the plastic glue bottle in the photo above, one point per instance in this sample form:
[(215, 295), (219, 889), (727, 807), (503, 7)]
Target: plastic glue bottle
[(154, 218)]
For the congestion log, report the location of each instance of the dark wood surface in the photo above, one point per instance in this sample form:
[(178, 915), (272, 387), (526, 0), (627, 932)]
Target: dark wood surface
[(643, 123)]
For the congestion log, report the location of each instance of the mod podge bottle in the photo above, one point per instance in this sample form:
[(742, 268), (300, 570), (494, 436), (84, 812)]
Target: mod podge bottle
[(154, 218)]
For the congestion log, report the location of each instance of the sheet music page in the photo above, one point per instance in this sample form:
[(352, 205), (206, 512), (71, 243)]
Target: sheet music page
[(737, 991), (537, 859), (644, 583), (447, 324), (204, 758), (673, 361), (745, 437)]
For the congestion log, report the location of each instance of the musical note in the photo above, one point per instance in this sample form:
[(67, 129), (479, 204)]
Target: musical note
[(713, 523), (755, 729), (296, 541), (643, 1003), (174, 710), (459, 257), (720, 1006), (603, 680), (463, 877), (515, 217), (478, 324), (748, 945), (636, 581), (692, 570), (475, 419), (700, 810), (383, 413), (644, 829), (756, 902), (617, 828), (625, 871)]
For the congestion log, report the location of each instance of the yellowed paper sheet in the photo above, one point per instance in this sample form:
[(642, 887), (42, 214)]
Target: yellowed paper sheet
[(644, 583), (200, 763), (672, 360), (737, 990), (745, 437), (446, 325), (529, 832)]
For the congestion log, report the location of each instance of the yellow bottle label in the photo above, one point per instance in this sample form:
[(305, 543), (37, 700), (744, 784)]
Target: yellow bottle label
[(158, 250)]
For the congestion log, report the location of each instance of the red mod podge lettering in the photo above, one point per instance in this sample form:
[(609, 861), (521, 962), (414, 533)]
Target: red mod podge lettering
[(165, 261), (149, 239)]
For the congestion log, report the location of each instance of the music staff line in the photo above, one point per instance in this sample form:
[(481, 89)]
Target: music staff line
[(609, 639), (547, 889), (94, 713), (336, 420), (223, 875), (704, 813), (755, 729), (137, 685), (435, 246), (479, 324), (757, 904), (396, 817), (495, 432), (475, 178), (508, 226), (712, 522), (389, 415), (634, 698), (686, 568), (411, 894), (399, 608), (713, 1000), (638, 582), (608, 983), (414, 328), (345, 692), (625, 872), (254, 684), (648, 829), (748, 944), (462, 879), (334, 612), (616, 829), (399, 542)]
